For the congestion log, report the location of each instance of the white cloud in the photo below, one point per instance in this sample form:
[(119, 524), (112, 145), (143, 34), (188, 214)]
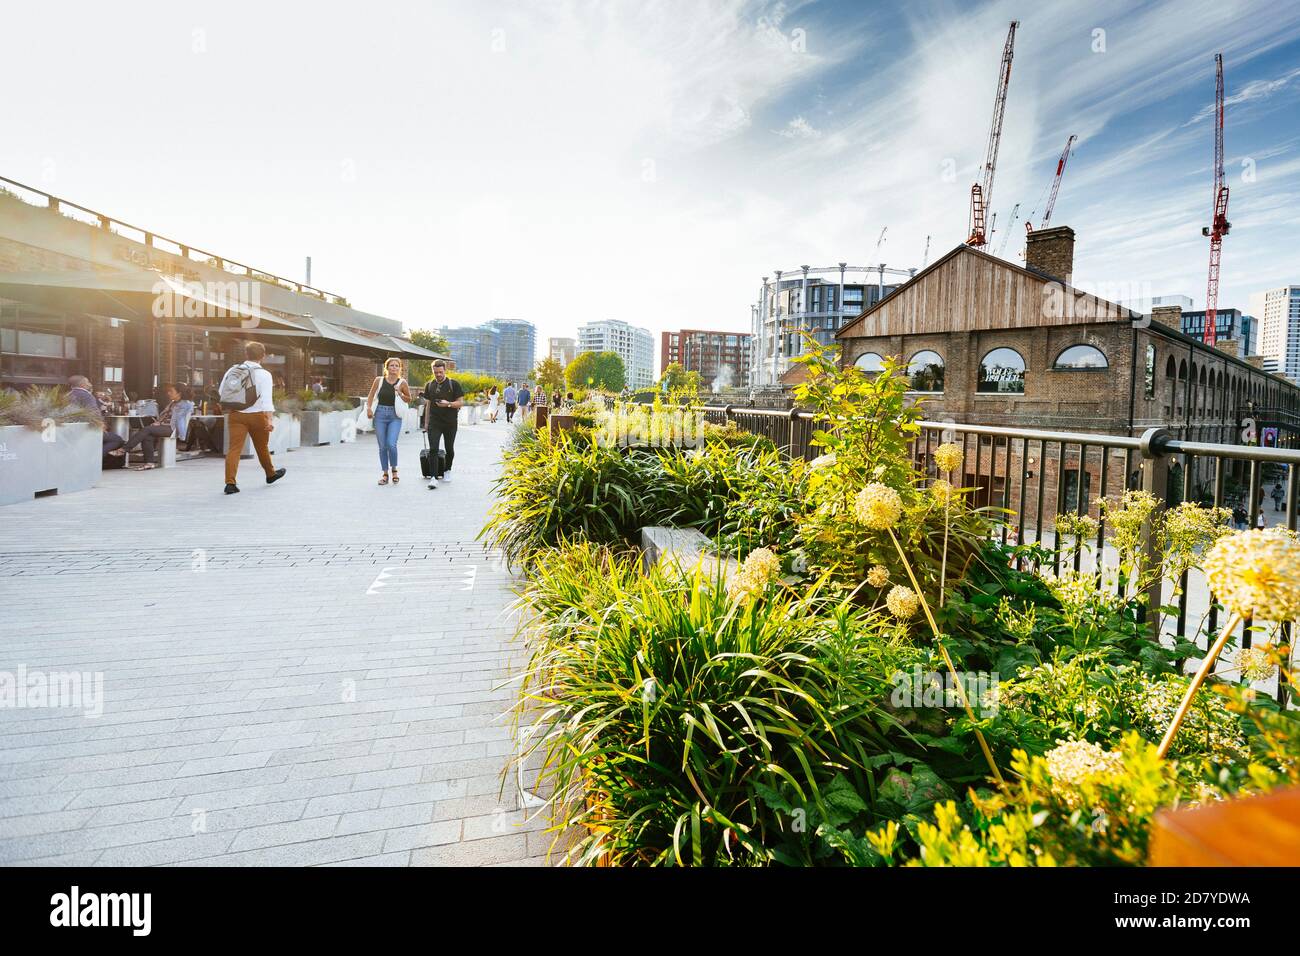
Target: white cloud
[(798, 128)]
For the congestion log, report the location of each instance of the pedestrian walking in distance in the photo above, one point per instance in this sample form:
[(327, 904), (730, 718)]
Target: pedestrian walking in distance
[(387, 403), (494, 400), (510, 395), (245, 395), (443, 398)]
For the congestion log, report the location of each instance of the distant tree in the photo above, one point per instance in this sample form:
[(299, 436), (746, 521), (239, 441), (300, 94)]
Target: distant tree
[(603, 370), (421, 370), (549, 373), (677, 381)]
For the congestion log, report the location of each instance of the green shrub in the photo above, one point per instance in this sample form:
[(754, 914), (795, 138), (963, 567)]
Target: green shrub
[(682, 726), (37, 407), (565, 487)]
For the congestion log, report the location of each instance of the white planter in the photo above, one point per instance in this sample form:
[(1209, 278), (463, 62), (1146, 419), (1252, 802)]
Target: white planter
[(321, 428), (278, 443), (59, 460), (468, 415), (411, 423), (293, 429)]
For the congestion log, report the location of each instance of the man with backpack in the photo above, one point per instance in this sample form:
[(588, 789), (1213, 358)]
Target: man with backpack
[(246, 396)]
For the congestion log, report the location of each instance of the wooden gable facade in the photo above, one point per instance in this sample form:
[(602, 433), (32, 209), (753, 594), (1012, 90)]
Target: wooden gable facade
[(971, 291)]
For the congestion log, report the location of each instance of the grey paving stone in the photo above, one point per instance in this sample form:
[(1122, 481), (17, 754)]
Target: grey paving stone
[(323, 713), (498, 849)]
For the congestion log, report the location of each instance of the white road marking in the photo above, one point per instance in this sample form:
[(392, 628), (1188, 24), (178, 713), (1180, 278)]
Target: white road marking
[(415, 577)]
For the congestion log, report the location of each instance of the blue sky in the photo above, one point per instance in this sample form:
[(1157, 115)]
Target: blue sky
[(566, 161)]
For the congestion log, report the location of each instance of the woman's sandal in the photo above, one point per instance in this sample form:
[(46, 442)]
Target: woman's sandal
[(395, 478), (384, 479)]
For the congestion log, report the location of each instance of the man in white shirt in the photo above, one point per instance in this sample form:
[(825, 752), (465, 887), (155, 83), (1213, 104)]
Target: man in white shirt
[(257, 421)]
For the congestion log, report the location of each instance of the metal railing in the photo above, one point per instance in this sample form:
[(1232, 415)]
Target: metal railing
[(1034, 475), (151, 239)]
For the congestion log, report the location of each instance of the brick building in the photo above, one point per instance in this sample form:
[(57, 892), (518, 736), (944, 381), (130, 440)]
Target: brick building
[(82, 293), (987, 341), (714, 355)]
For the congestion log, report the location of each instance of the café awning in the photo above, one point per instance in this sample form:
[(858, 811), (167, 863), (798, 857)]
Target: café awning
[(144, 294), (411, 350)]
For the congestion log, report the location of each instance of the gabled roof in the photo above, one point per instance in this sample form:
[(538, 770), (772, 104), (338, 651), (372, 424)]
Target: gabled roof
[(854, 327)]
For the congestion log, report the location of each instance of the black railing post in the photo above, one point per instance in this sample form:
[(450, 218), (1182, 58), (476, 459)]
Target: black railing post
[(1155, 481)]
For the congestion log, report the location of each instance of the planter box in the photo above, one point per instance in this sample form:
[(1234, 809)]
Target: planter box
[(31, 465), (412, 421), (293, 431), (322, 428), (468, 415), (279, 440)]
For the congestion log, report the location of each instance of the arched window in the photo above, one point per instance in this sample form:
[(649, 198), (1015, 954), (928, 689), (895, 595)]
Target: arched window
[(1002, 370), (925, 371), (1151, 371), (870, 362), (1083, 357)]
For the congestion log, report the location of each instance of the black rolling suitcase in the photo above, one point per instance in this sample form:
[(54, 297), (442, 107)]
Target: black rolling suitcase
[(426, 462)]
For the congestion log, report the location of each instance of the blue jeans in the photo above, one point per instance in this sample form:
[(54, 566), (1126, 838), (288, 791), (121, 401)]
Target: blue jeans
[(387, 429)]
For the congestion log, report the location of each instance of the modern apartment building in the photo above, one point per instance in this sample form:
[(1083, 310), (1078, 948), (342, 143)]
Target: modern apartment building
[(1279, 323), (1229, 325), (505, 348), (721, 358), (636, 346), (562, 350), (816, 300)]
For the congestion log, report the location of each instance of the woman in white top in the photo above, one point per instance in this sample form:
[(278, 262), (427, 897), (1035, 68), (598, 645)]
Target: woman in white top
[(493, 401), (386, 404)]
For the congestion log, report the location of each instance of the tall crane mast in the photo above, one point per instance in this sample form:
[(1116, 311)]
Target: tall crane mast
[(1015, 214), (1219, 225), (981, 194), (1056, 187)]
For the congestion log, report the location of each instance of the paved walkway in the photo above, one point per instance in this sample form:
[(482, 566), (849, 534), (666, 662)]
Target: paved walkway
[(307, 673)]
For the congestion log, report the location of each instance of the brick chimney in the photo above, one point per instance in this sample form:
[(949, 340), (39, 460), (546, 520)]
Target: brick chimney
[(1051, 251), (1170, 315), (1228, 347), (1256, 360)]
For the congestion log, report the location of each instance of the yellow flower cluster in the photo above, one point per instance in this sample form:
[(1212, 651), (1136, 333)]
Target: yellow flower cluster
[(1257, 573), (1208, 725), (1256, 663), (878, 506), (943, 491), (948, 456), (902, 602), (1125, 517), (878, 576), (756, 572), (1077, 763), (1081, 527), (1018, 623)]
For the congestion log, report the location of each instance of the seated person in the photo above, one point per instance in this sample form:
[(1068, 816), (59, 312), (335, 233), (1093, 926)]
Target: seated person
[(191, 431), (79, 393), (164, 426)]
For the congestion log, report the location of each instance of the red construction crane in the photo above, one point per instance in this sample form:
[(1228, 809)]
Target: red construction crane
[(981, 194), (1056, 186), (1219, 225)]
